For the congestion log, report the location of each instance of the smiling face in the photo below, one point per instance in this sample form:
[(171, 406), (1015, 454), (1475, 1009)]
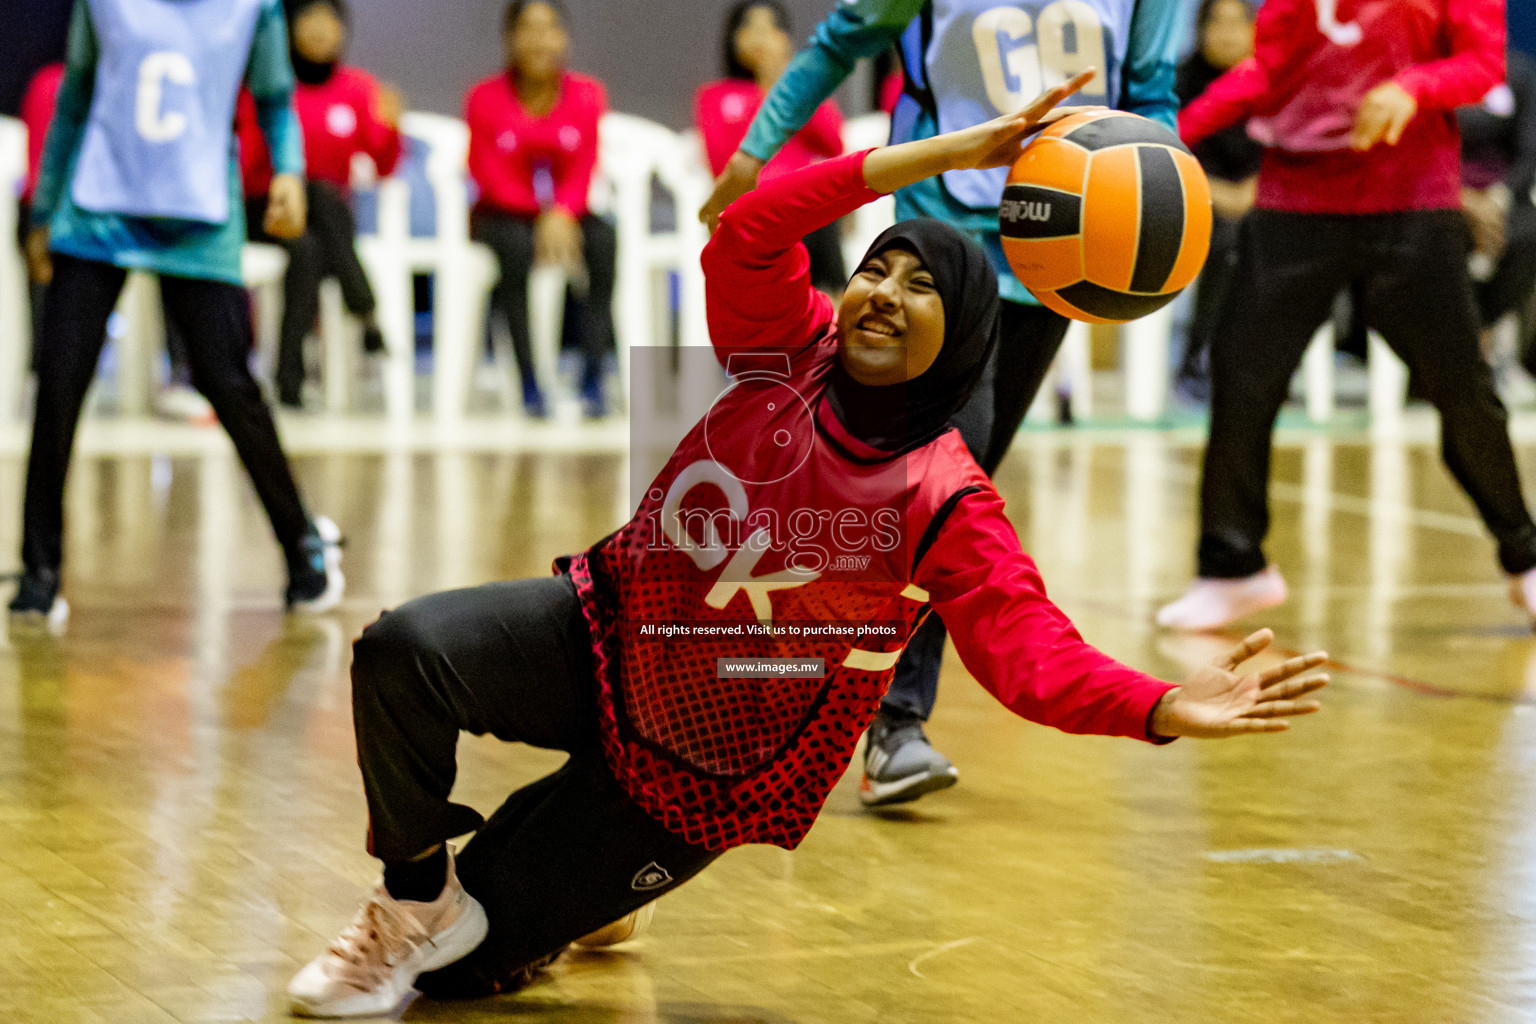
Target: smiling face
[(890, 325)]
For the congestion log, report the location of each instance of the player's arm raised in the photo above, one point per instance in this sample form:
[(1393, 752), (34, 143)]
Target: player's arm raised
[(995, 143)]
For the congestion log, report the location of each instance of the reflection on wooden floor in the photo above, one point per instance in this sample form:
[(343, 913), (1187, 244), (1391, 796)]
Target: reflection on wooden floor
[(181, 818)]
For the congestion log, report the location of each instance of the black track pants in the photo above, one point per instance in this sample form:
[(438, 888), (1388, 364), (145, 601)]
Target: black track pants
[(562, 856), (214, 319), (1410, 271)]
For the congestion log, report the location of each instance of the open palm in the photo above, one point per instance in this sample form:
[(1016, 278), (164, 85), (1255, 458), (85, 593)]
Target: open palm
[(996, 143), (1218, 700)]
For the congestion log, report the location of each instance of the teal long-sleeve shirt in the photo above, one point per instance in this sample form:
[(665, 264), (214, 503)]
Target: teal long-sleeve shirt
[(178, 248), (867, 28)]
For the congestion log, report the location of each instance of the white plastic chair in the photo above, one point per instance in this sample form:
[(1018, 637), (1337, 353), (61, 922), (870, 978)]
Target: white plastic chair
[(262, 268), (1387, 393), (631, 151), (859, 133), (15, 317), (463, 272), (386, 256)]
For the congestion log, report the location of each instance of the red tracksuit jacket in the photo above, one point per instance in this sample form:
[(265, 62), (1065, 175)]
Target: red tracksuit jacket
[(770, 514), (508, 145), (37, 105), (723, 112), (1313, 62), (338, 120)]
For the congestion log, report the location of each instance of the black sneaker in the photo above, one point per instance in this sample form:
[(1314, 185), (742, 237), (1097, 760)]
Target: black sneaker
[(900, 764), (37, 594), (373, 339), (534, 405), (315, 580)]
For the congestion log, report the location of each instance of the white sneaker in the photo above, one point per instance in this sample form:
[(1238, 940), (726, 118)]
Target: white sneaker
[(1522, 591), (182, 402), (631, 926), (1211, 604), (371, 967)]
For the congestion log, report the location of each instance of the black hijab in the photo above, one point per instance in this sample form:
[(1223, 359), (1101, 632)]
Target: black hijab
[(901, 417)]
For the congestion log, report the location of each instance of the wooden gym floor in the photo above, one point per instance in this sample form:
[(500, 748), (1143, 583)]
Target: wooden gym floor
[(181, 818)]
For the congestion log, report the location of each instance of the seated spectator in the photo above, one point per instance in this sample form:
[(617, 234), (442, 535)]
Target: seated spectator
[(757, 48), (344, 112), (532, 152), (1224, 36), (1498, 170)]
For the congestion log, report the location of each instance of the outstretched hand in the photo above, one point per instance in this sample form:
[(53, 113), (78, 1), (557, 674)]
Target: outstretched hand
[(1218, 701), (997, 142)]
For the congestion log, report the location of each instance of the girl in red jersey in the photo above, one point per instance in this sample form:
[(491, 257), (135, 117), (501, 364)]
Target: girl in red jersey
[(757, 48), (644, 658), (532, 151), (344, 112), (1359, 187)]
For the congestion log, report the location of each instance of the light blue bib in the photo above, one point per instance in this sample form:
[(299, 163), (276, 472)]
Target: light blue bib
[(986, 58), (158, 139)]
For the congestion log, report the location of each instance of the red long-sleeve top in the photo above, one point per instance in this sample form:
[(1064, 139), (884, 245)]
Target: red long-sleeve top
[(1304, 82), (508, 146), (339, 118), (769, 513), (723, 110), (37, 105)]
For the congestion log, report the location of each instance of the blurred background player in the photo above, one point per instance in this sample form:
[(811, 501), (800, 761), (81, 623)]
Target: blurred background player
[(965, 62), (1360, 186), (343, 112), (532, 152), (757, 48), (1223, 37), (139, 171), (1498, 172)]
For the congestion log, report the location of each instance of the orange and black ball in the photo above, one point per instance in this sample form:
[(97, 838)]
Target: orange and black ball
[(1106, 217)]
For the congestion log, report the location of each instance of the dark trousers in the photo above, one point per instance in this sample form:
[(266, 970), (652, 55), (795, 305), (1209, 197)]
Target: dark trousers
[(1029, 338), (1410, 269), (511, 239), (1210, 296), (215, 320), (562, 856), (1510, 286), (327, 248)]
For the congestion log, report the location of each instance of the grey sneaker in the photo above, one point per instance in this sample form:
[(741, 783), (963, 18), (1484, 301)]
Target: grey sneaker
[(900, 764)]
